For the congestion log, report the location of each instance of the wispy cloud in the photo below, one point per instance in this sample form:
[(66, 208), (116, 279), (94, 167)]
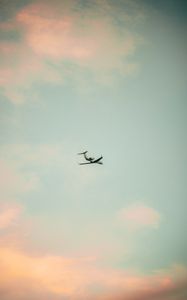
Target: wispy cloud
[(57, 41), (137, 216)]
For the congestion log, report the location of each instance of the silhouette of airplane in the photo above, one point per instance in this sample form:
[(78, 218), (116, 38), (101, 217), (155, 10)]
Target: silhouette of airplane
[(91, 160)]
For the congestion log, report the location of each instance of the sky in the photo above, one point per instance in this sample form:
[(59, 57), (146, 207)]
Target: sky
[(108, 77)]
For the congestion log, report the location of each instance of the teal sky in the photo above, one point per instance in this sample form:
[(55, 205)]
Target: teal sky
[(108, 77)]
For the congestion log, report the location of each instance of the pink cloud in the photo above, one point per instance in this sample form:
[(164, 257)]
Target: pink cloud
[(7, 48), (25, 274), (67, 36), (8, 214), (20, 69), (138, 216), (57, 276), (57, 33)]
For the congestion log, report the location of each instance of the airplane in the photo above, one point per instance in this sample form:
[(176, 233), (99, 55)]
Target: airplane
[(91, 160)]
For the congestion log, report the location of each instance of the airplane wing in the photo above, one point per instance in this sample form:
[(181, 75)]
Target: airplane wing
[(97, 160)]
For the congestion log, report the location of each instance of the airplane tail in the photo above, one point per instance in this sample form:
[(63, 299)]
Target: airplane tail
[(82, 152)]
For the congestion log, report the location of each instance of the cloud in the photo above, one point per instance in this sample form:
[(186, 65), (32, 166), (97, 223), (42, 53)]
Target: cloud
[(9, 214), (69, 36), (61, 40), (137, 216), (20, 70), (58, 277)]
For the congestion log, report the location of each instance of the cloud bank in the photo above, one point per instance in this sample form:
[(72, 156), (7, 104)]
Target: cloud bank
[(56, 277)]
